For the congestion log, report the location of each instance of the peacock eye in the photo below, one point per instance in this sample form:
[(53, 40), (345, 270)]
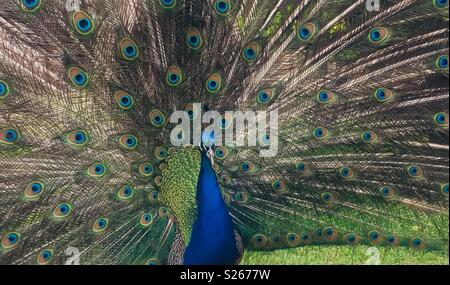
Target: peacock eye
[(328, 198), (96, 170), (442, 62), (161, 153), (153, 261), (418, 244), (128, 141), (379, 35), (330, 234), (221, 152), (321, 133), (414, 171), (157, 118), (392, 240), (45, 257), (441, 119), (306, 32), (194, 38), (9, 136), (100, 225), (251, 51), (326, 97), (241, 197), (444, 189), (259, 241), (375, 237), (278, 186), (30, 6), (369, 136), (387, 192), (83, 23), (383, 95), (4, 89), (168, 4), (265, 96), (174, 76), (10, 240), (346, 172), (77, 138), (125, 193), (78, 77), (248, 167), (34, 190), (352, 239), (214, 83), (441, 4), (129, 50), (62, 210), (146, 219), (222, 7)]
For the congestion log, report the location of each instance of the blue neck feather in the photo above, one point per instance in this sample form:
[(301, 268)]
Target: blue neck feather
[(212, 239)]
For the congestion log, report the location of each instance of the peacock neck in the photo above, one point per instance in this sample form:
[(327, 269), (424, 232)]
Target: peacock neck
[(212, 238)]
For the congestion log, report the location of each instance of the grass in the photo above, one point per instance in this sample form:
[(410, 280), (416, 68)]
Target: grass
[(343, 255)]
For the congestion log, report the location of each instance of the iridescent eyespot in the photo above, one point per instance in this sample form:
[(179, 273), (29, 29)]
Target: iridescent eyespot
[(326, 97), (154, 261), (346, 172), (330, 234), (34, 190), (248, 167), (418, 244), (83, 23), (444, 188), (96, 170), (441, 4), (194, 38), (128, 49), (321, 133), (306, 238), (10, 240), (9, 136), (387, 192), (62, 211), (146, 220), (351, 239), (100, 225), (124, 100), (441, 119), (306, 32), (223, 7), (45, 257), (226, 179), (293, 239), (214, 83), (221, 152), (241, 197), (442, 62), (303, 168), (226, 121), (414, 171), (30, 6), (153, 197), (161, 153), (157, 118), (125, 193), (77, 138), (251, 52), (259, 241), (145, 169), (191, 111), (168, 4), (369, 137), (328, 198), (375, 237), (379, 35), (128, 141), (78, 77), (174, 76), (4, 89), (162, 212), (264, 140), (392, 240), (279, 186), (265, 96), (383, 95)]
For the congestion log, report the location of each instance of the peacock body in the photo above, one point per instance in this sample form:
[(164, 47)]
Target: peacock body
[(88, 166)]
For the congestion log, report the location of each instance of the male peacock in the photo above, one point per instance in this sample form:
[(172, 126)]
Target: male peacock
[(86, 161)]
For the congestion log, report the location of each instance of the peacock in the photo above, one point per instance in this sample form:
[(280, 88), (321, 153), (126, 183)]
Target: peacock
[(90, 173)]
